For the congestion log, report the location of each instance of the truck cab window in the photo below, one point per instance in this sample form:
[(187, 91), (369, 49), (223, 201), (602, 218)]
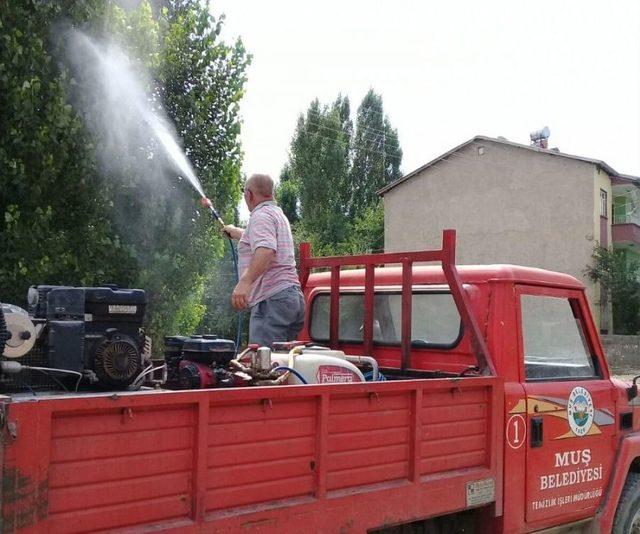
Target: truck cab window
[(555, 345), (435, 321)]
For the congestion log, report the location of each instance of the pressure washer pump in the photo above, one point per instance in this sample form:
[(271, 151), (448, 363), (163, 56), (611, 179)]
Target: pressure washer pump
[(203, 362)]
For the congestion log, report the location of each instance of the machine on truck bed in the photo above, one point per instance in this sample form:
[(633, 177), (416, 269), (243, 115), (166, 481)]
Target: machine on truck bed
[(498, 415)]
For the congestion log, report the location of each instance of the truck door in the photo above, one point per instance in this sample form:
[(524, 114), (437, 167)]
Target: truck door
[(569, 406)]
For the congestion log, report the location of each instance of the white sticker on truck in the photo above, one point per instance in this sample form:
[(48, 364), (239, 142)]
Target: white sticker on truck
[(580, 411), (481, 492)]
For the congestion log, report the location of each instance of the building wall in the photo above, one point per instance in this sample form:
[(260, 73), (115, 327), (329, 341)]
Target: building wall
[(602, 181), (509, 205)]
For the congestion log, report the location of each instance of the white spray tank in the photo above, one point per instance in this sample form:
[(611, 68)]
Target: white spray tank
[(319, 367)]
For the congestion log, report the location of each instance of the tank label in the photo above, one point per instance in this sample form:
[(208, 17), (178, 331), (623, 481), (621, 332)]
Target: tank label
[(124, 309), (334, 374)]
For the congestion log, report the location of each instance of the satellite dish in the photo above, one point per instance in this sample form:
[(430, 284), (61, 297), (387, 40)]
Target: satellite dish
[(538, 135)]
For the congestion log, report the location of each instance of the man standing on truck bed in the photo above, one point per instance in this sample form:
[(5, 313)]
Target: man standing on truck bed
[(268, 282)]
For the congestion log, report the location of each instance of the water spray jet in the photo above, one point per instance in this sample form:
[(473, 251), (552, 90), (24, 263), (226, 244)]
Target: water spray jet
[(119, 110)]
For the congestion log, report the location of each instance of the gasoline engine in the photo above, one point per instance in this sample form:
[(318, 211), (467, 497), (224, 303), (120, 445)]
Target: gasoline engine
[(199, 362), (74, 334)]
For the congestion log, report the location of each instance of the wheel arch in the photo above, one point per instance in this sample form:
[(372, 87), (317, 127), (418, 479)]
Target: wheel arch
[(627, 460)]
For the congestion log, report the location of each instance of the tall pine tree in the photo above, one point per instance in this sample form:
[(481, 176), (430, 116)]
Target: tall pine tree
[(288, 195), (318, 171), (376, 155), (330, 183)]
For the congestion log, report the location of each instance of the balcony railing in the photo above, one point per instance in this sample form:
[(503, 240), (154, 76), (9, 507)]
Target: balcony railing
[(626, 218)]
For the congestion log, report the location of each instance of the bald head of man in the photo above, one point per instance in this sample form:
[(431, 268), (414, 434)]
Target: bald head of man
[(258, 188)]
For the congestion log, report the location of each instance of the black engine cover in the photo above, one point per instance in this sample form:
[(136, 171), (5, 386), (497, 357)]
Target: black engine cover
[(86, 328), (66, 345), (209, 349)]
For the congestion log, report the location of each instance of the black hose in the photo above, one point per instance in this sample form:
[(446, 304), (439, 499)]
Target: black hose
[(234, 256)]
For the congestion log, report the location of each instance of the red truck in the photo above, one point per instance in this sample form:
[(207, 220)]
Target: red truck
[(498, 415)]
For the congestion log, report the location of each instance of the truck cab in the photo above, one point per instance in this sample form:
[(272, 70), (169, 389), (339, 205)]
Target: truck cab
[(564, 418)]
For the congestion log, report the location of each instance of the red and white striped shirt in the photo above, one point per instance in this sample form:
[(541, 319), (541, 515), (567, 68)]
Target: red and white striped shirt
[(268, 227)]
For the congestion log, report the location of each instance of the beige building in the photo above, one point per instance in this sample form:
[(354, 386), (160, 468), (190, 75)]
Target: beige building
[(513, 203)]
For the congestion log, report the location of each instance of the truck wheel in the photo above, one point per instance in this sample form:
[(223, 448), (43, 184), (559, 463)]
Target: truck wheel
[(627, 519)]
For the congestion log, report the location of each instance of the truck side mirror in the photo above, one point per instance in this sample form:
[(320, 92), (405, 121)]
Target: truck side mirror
[(632, 391)]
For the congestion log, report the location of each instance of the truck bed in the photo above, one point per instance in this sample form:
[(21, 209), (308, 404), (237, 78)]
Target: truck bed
[(322, 458)]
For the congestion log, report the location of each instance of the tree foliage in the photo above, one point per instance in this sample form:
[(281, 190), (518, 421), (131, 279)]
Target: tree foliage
[(366, 233), (63, 218), (54, 227), (287, 195), (319, 166), (217, 317), (330, 183), (376, 155), (619, 283)]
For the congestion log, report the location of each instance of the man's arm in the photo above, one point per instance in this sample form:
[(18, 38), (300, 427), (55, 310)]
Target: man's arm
[(260, 262)]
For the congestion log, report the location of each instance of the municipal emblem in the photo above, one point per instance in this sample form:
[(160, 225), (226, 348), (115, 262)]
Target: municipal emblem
[(580, 411)]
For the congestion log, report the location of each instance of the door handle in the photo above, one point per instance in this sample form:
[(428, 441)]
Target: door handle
[(536, 431)]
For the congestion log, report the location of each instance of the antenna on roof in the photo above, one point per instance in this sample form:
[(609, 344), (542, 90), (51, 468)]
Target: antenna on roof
[(540, 138)]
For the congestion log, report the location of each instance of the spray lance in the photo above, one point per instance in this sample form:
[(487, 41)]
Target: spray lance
[(206, 203)]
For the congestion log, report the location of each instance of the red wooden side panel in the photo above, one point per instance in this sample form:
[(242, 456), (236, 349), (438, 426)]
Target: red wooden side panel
[(260, 452), (321, 457), (108, 467), (455, 429), (369, 437)]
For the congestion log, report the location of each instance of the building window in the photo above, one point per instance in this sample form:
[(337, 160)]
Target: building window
[(603, 203)]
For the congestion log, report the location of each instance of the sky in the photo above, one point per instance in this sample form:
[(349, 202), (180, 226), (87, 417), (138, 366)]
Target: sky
[(446, 70)]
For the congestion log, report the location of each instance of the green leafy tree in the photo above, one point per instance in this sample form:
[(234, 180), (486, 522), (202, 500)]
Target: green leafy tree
[(330, 183), (54, 224), (287, 195), (66, 220), (376, 154), (366, 233), (319, 169), (200, 84), (618, 279), (217, 317)]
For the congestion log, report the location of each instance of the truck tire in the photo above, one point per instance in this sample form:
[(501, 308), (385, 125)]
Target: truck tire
[(627, 518)]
